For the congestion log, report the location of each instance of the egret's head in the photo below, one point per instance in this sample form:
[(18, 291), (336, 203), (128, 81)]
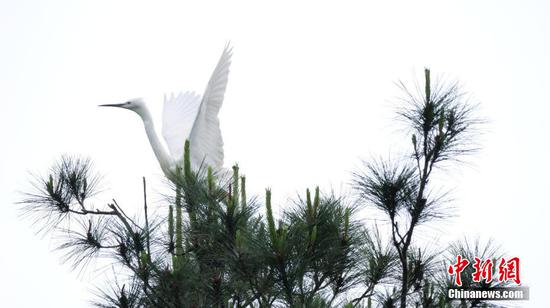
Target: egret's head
[(137, 105)]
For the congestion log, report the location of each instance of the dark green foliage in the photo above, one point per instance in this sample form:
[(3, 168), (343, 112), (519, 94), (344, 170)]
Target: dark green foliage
[(218, 250)]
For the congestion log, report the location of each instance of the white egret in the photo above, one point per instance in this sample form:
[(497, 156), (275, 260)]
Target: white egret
[(188, 116)]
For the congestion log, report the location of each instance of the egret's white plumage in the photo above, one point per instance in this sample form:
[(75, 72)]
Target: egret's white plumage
[(189, 116)]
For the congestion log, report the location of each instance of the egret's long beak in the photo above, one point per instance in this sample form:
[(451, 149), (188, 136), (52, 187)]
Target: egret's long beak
[(112, 105)]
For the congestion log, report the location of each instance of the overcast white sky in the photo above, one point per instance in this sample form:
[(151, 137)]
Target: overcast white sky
[(310, 94)]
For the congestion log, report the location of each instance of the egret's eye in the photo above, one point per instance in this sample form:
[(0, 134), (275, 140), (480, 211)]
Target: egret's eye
[(128, 103)]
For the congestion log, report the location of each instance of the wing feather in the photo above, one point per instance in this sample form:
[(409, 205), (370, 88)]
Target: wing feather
[(179, 114), (206, 139)]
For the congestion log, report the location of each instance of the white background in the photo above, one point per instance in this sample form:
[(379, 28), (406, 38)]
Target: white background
[(311, 93)]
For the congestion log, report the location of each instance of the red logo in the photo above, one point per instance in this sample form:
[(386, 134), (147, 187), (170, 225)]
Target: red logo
[(457, 268), (509, 270), (483, 270)]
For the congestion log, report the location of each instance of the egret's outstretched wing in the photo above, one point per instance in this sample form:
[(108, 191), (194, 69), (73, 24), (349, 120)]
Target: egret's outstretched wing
[(178, 115), (206, 139)]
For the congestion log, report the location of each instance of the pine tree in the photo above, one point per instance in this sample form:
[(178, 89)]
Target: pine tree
[(214, 246), (442, 124)]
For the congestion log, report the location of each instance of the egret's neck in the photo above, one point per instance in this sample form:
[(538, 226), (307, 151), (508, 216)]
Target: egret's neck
[(165, 160)]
